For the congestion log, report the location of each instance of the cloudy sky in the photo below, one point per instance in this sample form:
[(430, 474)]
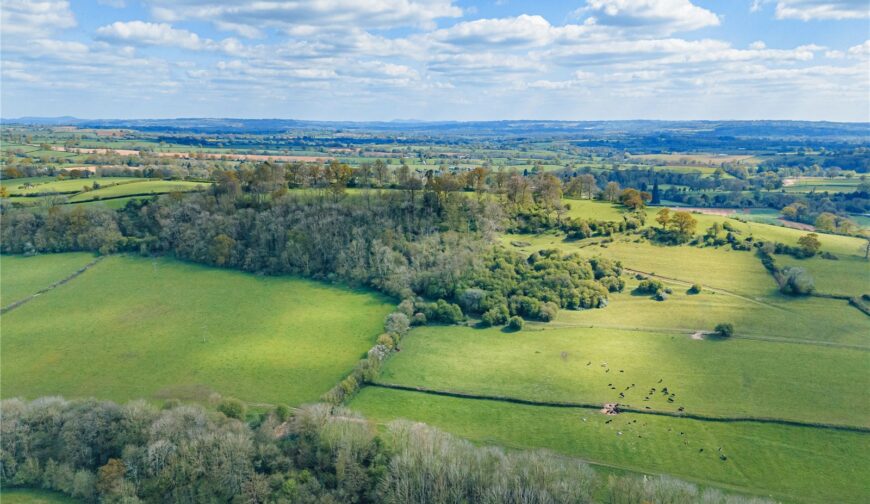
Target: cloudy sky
[(437, 59)]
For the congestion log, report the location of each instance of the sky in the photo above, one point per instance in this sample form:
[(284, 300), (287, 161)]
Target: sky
[(367, 60)]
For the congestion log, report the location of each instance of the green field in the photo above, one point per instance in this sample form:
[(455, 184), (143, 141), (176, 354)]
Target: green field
[(138, 188), (791, 464), (157, 328), (849, 276), (30, 496), (737, 377), (49, 185), (23, 276)]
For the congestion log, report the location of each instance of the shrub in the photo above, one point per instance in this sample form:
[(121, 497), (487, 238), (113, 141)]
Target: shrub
[(549, 310), (648, 286), (386, 340), (232, 408), (695, 288), (725, 329), (397, 322), (797, 282), (497, 315), (661, 295), (516, 323), (282, 412)]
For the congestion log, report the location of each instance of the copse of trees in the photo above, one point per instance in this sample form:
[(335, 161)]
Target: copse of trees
[(99, 451)]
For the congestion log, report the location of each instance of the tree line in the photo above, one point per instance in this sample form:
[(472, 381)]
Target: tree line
[(100, 451)]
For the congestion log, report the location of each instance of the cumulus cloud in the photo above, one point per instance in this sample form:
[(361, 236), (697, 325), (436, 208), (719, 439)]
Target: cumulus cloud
[(667, 15), (143, 33), (247, 18), (35, 18), (807, 10)]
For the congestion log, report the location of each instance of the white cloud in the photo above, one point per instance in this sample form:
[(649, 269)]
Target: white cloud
[(248, 18), (143, 33), (667, 15), (807, 10), (516, 31), (35, 18)]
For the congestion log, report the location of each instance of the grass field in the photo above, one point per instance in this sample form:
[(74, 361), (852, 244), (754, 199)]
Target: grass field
[(138, 188), (132, 327), (792, 464), (48, 184), (30, 496), (23, 276), (848, 276), (738, 377)]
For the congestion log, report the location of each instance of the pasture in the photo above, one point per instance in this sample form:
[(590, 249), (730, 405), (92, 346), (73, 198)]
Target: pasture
[(712, 377), (132, 327), (46, 185), (24, 276), (143, 188), (791, 464)]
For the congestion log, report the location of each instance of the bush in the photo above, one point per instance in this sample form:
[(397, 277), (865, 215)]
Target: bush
[(648, 286), (282, 412), (386, 340), (661, 295), (549, 310), (397, 322), (516, 323), (724, 330), (232, 408), (797, 282), (695, 288), (497, 315)]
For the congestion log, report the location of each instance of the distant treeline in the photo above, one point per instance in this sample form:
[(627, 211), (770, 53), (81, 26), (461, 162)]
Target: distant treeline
[(99, 451)]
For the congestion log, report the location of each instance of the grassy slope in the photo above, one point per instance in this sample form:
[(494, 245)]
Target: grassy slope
[(849, 275), (712, 377), (133, 327), (794, 464), (145, 187), (64, 186), (22, 276)]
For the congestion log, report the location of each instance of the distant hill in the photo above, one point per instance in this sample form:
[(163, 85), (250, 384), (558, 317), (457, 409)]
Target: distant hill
[(574, 129)]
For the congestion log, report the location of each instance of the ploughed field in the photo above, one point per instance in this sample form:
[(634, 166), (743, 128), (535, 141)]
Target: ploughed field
[(132, 327)]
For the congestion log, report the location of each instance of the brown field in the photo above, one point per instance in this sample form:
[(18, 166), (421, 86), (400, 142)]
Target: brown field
[(245, 157), (207, 155), (698, 159)]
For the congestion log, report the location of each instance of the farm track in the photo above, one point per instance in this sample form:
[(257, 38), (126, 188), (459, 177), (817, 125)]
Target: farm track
[(624, 409), (20, 302), (712, 289), (687, 331)]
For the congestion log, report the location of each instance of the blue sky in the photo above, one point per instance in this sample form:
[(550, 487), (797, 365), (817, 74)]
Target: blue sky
[(437, 59)]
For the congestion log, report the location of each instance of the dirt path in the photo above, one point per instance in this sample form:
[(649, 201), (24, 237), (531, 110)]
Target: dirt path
[(20, 302), (540, 326), (711, 289)]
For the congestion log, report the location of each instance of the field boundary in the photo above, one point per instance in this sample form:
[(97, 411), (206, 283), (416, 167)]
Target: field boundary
[(624, 409), (60, 282)]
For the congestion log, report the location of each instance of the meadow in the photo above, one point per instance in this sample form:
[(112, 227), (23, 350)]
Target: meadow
[(40, 185), (790, 464), (23, 276), (146, 187), (158, 328), (711, 377)]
